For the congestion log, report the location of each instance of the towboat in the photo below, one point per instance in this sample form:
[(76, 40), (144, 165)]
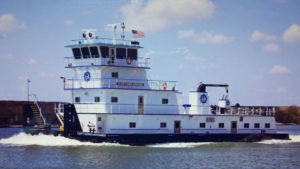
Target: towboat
[(114, 100)]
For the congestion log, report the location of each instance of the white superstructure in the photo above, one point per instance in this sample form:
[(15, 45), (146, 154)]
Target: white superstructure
[(113, 95)]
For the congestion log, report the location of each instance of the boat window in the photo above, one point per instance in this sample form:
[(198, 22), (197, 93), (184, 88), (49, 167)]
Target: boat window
[(132, 125), (114, 99), (210, 119), (77, 99), (85, 52), (221, 125), (76, 53), (94, 52), (97, 99), (163, 125), (99, 119), (246, 125), (256, 125), (121, 53), (104, 51), (202, 125), (132, 53), (241, 118), (165, 101), (114, 74), (267, 125)]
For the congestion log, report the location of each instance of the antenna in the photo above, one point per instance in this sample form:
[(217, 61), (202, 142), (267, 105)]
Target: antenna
[(114, 26), (123, 28)]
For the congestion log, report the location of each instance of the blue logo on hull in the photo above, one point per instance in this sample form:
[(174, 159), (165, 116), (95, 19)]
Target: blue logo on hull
[(87, 76), (203, 98)]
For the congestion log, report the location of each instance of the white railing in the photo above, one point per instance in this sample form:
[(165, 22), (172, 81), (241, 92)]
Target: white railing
[(139, 62), (103, 40), (121, 84), (160, 109), (127, 108)]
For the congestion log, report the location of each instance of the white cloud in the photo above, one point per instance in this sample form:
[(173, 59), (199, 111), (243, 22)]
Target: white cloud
[(149, 54), (187, 54), (276, 69), (260, 36), (8, 23), (183, 34), (156, 15), (69, 22), (182, 51), (32, 61), (281, 90), (87, 12), (291, 34), (204, 36), (210, 37), (45, 74), (271, 47), (190, 57)]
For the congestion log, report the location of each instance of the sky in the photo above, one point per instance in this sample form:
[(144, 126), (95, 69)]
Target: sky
[(254, 46)]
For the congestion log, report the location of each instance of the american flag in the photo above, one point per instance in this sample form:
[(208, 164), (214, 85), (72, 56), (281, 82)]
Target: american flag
[(137, 34)]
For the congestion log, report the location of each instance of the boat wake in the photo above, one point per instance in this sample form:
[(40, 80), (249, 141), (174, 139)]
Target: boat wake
[(294, 139), (23, 139), (178, 145)]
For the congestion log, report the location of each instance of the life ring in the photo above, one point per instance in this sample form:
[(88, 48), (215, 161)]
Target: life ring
[(164, 85), (129, 60)]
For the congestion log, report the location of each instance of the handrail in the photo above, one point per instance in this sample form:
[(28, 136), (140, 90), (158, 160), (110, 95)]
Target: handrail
[(120, 83), (39, 107), (103, 40), (57, 112), (100, 61)]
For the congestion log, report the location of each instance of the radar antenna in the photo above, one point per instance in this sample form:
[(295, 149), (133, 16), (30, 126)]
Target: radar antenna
[(123, 28)]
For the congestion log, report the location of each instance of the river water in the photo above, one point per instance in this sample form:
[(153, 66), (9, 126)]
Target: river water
[(19, 150)]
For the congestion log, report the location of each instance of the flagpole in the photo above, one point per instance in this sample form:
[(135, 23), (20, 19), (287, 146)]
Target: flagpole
[(28, 81)]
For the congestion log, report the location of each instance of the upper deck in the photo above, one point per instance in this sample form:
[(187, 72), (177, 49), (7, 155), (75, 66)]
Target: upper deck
[(103, 41), (95, 51)]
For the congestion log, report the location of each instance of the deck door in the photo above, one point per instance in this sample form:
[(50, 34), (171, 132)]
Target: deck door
[(177, 126), (233, 126), (141, 104), (112, 55)]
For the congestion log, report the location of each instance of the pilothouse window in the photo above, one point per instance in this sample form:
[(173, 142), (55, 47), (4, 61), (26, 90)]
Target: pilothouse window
[(94, 52), (132, 53), (76, 53), (121, 53), (104, 52), (85, 52)]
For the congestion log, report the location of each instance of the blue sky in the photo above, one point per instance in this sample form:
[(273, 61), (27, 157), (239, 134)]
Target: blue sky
[(252, 45)]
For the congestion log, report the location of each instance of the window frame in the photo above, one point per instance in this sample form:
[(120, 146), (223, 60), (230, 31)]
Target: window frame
[(115, 73), (77, 99), (97, 99), (164, 101), (163, 124), (267, 125), (91, 53), (246, 125), (221, 125), (114, 99), (85, 49), (257, 125), (202, 125), (132, 124)]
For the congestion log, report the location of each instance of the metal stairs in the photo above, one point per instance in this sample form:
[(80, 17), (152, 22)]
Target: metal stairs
[(37, 114)]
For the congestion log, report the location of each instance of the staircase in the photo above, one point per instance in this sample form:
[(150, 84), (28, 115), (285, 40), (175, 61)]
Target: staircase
[(36, 113), (59, 112)]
